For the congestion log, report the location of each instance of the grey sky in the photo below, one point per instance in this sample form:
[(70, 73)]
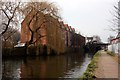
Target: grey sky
[(89, 17)]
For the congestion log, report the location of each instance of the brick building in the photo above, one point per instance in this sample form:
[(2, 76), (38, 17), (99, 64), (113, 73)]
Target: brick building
[(57, 36), (50, 28)]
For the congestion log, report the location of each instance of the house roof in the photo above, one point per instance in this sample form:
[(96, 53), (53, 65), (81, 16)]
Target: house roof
[(66, 26), (73, 29)]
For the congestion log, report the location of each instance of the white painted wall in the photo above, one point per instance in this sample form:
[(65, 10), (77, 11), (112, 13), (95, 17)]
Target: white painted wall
[(115, 48)]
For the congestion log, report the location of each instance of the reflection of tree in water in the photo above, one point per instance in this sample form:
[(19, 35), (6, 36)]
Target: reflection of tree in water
[(44, 66), (11, 69)]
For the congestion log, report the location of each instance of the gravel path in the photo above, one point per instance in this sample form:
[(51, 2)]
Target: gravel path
[(107, 66)]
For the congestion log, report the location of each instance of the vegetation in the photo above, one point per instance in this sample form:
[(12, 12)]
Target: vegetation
[(115, 56), (38, 11), (110, 53), (13, 13), (10, 23), (9, 14), (116, 17), (118, 59), (89, 73)]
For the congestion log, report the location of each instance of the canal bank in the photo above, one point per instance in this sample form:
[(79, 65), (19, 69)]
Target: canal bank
[(36, 51), (104, 65), (107, 66), (63, 66)]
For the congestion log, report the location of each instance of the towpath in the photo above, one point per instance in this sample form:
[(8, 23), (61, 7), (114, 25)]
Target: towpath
[(107, 66)]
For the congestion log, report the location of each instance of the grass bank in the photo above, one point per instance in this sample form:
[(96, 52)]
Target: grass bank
[(115, 56), (89, 73), (110, 53)]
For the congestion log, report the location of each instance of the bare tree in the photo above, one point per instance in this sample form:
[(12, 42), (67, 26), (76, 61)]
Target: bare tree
[(10, 25), (9, 38), (38, 8), (9, 15), (10, 21), (116, 18), (44, 7)]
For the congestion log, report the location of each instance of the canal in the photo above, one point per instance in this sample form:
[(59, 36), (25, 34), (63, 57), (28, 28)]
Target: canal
[(63, 66)]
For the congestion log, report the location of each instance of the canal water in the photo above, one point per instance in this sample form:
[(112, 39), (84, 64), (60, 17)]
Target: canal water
[(63, 66)]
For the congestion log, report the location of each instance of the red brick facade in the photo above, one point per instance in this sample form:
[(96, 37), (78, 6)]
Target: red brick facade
[(57, 35)]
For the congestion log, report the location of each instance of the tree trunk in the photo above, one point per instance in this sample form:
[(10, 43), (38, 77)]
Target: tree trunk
[(37, 50)]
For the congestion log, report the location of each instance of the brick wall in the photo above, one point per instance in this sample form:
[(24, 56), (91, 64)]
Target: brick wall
[(57, 35)]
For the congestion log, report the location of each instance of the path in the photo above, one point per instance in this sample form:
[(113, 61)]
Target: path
[(107, 66)]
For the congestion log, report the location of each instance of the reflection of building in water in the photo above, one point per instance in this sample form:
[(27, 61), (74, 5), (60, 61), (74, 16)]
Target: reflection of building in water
[(33, 69), (50, 67), (41, 67), (45, 67), (11, 69)]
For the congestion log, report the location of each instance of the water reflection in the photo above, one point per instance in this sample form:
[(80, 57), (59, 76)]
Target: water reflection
[(79, 68), (11, 68), (70, 65)]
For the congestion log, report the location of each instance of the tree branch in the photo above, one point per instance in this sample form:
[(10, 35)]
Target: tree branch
[(31, 21), (9, 18), (41, 25), (11, 33), (38, 39), (5, 13)]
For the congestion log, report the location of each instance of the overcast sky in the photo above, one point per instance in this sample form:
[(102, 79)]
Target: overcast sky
[(89, 17)]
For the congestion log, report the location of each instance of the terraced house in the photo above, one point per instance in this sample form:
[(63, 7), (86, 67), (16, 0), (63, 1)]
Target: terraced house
[(115, 45), (56, 36), (50, 29)]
